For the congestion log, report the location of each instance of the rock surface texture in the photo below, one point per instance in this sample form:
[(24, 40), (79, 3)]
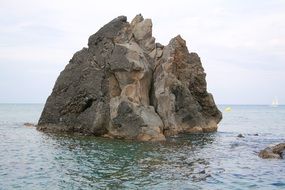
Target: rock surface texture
[(274, 152), (124, 85)]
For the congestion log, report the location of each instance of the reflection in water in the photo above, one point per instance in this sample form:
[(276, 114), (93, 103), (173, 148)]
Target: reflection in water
[(97, 161), (30, 159)]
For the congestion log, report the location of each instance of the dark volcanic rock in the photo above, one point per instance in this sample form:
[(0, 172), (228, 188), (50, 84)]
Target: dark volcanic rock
[(181, 98), (240, 136), (125, 85)]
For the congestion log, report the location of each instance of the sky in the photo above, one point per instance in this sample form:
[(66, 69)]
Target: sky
[(241, 43)]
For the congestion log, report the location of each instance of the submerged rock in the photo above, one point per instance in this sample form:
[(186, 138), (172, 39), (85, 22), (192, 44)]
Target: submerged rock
[(240, 136), (276, 152), (124, 85)]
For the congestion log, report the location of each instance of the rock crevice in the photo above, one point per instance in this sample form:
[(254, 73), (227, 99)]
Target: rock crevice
[(124, 85)]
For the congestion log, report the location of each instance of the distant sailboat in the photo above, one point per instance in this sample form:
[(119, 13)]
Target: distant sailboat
[(275, 102)]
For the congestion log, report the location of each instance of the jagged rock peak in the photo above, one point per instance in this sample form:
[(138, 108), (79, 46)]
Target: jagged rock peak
[(124, 85)]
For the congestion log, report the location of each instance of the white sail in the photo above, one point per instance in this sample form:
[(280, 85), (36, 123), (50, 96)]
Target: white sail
[(275, 102)]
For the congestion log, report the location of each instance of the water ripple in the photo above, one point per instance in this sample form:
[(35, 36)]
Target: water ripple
[(33, 160)]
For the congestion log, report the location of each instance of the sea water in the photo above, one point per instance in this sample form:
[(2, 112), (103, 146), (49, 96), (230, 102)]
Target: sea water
[(30, 159)]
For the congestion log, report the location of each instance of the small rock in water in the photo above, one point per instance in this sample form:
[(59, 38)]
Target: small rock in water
[(283, 154), (240, 136), (276, 152), (29, 125), (255, 134), (235, 144)]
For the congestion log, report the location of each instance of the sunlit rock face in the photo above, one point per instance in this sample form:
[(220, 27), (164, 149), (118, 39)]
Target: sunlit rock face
[(124, 85)]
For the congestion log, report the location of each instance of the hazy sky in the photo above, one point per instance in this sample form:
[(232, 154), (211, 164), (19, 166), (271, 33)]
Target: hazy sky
[(241, 43)]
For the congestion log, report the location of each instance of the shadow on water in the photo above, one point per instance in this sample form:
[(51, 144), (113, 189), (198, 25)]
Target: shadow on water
[(99, 162)]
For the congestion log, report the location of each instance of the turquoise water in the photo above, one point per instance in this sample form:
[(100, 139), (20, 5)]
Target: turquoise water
[(30, 159)]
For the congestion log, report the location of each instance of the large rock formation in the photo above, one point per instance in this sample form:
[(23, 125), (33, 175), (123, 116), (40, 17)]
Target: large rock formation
[(124, 85)]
